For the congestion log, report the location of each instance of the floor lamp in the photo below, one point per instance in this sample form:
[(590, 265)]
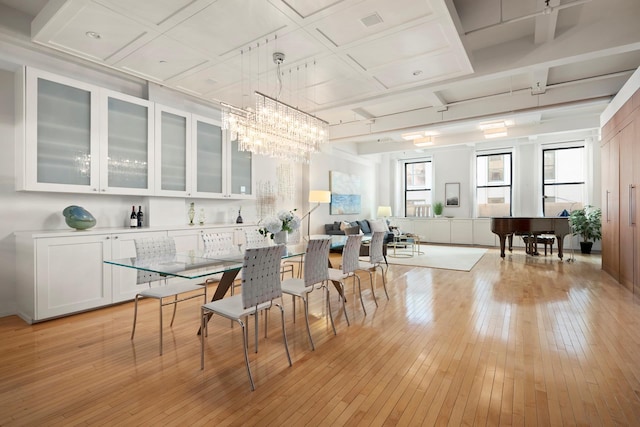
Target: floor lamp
[(316, 196)]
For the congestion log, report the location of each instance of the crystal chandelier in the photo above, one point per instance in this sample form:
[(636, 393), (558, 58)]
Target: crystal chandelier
[(273, 128)]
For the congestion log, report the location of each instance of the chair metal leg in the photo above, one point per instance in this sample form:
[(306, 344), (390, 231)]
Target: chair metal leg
[(355, 277), (284, 334), (373, 292), (203, 328), (175, 306), (160, 305), (333, 325), (245, 336), (384, 281), (293, 299), (135, 315), (306, 316), (255, 318), (344, 305)]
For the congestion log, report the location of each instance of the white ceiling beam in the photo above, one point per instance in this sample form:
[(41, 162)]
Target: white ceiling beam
[(539, 79), (545, 27)]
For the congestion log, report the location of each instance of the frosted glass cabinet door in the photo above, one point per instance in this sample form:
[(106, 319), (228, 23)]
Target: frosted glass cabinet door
[(61, 143), (126, 145), (208, 158), (173, 151), (241, 174)]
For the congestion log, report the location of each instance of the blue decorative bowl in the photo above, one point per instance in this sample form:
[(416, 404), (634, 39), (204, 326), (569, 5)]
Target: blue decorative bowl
[(78, 217)]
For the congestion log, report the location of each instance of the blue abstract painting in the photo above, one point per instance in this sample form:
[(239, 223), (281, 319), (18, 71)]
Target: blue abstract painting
[(345, 193)]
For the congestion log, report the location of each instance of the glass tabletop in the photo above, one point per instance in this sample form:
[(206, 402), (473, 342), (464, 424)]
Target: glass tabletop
[(195, 263)]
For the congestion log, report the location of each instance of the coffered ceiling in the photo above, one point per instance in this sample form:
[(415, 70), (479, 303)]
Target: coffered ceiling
[(373, 69)]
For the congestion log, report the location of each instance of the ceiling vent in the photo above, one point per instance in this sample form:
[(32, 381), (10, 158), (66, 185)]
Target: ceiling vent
[(371, 20)]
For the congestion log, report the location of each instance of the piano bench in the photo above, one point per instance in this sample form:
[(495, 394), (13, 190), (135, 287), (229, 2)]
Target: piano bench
[(545, 240)]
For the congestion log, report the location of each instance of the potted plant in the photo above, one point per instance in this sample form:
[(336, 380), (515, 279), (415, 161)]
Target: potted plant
[(437, 209), (586, 222)]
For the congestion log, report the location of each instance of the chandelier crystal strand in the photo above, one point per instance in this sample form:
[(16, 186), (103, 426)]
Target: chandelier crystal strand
[(275, 129)]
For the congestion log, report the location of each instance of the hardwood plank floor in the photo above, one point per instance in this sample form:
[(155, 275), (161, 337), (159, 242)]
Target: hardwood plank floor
[(520, 341)]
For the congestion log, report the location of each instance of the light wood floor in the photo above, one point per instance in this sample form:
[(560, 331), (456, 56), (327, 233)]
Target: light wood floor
[(519, 341)]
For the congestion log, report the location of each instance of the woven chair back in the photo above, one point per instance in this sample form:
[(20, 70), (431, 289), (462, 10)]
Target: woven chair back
[(351, 253), (316, 261), (261, 275), (151, 250), (218, 243), (376, 254), (254, 239)]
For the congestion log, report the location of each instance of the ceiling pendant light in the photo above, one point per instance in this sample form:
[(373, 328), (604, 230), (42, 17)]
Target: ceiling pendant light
[(274, 128)]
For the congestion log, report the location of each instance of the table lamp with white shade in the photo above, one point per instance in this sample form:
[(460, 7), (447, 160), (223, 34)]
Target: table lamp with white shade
[(384, 211)]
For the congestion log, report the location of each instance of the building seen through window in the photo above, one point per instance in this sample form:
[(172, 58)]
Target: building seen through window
[(493, 185)]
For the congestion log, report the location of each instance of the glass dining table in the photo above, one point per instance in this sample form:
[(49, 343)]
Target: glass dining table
[(199, 264)]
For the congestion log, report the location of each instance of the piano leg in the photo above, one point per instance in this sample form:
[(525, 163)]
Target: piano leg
[(510, 242), (560, 240), (503, 239)]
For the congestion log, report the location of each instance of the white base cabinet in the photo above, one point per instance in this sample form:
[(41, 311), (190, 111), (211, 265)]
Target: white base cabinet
[(63, 272), (457, 231), (61, 275)]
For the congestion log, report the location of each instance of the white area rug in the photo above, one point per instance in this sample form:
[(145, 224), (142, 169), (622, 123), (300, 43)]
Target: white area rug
[(447, 257)]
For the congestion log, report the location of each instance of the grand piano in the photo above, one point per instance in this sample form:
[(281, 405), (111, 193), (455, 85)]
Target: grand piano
[(507, 227)]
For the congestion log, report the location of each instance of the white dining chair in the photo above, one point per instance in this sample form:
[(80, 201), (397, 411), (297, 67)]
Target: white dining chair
[(376, 258), (350, 261), (261, 285), (151, 250), (316, 272)]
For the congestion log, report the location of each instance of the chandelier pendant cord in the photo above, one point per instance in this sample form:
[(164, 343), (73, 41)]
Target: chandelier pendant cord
[(274, 128)]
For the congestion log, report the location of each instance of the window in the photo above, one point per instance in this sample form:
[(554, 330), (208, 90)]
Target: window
[(417, 185), (563, 185), (493, 184)]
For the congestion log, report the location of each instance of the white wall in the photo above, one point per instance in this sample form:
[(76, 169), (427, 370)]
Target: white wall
[(457, 164), (332, 158)]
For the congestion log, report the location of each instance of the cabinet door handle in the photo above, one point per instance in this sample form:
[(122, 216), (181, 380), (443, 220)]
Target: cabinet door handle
[(108, 237), (116, 237), (606, 204), (632, 208)]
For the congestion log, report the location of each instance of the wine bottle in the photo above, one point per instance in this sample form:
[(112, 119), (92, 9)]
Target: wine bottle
[(133, 223), (140, 216)]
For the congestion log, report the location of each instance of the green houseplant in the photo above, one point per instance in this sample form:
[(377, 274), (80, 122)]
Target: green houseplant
[(587, 223), (438, 208)]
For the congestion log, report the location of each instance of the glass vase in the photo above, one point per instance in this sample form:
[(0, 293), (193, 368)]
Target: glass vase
[(281, 238)]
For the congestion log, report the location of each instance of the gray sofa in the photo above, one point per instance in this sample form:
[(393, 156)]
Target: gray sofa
[(356, 226)]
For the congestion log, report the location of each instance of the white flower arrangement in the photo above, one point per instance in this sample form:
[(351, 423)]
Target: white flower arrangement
[(283, 221)]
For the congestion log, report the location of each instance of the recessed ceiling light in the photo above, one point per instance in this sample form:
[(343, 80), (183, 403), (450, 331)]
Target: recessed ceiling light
[(495, 132), (93, 35), (371, 20), (423, 142)]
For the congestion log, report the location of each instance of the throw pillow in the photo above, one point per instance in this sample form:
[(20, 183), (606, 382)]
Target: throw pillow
[(364, 226), (378, 225), (344, 224)]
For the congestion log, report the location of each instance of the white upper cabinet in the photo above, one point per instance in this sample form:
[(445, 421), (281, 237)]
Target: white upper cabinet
[(219, 169), (240, 173), (79, 138), (209, 158), (126, 144), (60, 151), (173, 151)]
